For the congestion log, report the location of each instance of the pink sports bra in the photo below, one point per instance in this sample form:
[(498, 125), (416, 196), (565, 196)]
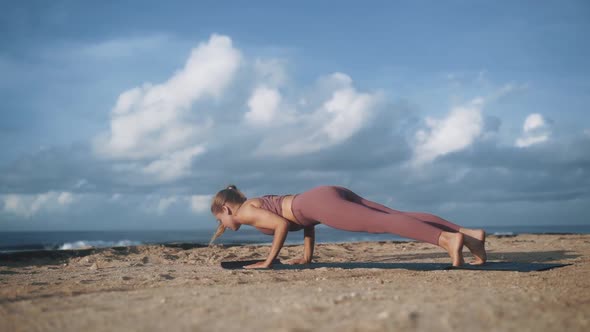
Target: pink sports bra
[(274, 204)]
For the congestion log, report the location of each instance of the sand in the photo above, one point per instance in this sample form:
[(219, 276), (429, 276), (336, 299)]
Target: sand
[(183, 288)]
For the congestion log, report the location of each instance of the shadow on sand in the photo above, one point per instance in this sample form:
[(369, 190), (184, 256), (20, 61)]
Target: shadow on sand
[(489, 266), (509, 261)]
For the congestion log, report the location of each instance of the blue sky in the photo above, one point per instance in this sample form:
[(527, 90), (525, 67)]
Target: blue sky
[(131, 114)]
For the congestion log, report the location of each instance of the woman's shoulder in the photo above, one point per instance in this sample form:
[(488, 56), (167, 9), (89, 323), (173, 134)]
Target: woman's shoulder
[(254, 201), (250, 209)]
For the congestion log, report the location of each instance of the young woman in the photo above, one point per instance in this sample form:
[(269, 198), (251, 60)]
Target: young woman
[(340, 208)]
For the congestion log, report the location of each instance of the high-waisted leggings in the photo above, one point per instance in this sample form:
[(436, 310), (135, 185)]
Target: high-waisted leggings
[(340, 208)]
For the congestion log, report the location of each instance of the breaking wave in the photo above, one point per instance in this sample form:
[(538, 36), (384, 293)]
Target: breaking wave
[(97, 244)]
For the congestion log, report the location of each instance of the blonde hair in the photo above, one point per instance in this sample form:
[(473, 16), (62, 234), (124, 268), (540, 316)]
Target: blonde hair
[(220, 229), (231, 194)]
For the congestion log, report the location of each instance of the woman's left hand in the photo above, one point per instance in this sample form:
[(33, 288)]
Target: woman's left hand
[(259, 265)]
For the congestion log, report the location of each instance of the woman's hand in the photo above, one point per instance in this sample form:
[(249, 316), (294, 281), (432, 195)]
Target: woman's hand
[(297, 261), (259, 265), (261, 218)]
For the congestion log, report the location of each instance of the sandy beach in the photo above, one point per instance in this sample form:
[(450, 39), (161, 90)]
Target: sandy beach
[(182, 287)]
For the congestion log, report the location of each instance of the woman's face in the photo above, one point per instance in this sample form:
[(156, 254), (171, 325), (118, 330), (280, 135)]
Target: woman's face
[(227, 219)]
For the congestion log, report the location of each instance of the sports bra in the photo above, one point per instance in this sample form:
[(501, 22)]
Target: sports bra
[(274, 204)]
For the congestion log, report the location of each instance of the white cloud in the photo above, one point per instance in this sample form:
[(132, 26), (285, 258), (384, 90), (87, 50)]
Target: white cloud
[(174, 165), (65, 198), (154, 131), (339, 116), (165, 203), (152, 121), (12, 203), (348, 113), (535, 130), (122, 47), (200, 203), (508, 89), (263, 105), (29, 205), (532, 122), (525, 141), (453, 133)]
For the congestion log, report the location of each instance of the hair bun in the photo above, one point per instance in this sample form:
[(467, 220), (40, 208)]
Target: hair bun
[(231, 187)]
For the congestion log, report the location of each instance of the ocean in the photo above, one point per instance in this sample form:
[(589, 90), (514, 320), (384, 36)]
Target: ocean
[(64, 240)]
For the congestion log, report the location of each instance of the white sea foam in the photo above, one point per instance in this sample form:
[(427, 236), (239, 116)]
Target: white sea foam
[(504, 233), (97, 244)]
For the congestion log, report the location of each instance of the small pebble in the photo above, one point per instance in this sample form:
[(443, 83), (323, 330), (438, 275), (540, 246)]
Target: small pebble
[(383, 315)]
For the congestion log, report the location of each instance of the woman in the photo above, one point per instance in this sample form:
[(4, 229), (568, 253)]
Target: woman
[(340, 208)]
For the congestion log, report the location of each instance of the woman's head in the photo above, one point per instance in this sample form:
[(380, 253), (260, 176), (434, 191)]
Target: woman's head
[(224, 207), (229, 195)]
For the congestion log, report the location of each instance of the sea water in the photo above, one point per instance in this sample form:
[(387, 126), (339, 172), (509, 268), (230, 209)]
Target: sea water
[(63, 240)]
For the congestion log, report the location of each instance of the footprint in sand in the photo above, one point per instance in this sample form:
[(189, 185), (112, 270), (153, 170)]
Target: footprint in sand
[(166, 276), (86, 281), (345, 247), (250, 256)]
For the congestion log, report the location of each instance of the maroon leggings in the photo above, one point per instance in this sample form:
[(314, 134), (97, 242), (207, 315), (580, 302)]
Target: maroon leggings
[(340, 208)]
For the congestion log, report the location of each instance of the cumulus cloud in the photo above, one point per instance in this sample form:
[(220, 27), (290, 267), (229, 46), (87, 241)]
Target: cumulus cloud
[(29, 205), (165, 203), (152, 121), (535, 130), (162, 204), (65, 198), (457, 131), (122, 47), (264, 106), (200, 203), (341, 115), (159, 130), (174, 165), (184, 136)]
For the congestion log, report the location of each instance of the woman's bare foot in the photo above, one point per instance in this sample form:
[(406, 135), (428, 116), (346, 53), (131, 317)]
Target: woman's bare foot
[(453, 244), (475, 241)]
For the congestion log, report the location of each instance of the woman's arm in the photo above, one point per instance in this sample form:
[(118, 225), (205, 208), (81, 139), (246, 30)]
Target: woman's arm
[(257, 217), (278, 240), (308, 243)]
